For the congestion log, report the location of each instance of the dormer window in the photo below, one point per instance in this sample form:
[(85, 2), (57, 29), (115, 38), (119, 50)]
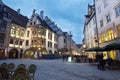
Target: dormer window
[(99, 9), (105, 3), (117, 11)]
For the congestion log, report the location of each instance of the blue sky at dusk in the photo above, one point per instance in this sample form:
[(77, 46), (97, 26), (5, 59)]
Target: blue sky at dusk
[(67, 14)]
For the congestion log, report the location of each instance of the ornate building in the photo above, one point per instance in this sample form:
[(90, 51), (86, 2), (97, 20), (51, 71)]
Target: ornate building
[(108, 23), (30, 38), (90, 30)]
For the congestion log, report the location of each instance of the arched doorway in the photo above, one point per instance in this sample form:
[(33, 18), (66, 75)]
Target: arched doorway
[(55, 52), (13, 53), (50, 52), (29, 53)]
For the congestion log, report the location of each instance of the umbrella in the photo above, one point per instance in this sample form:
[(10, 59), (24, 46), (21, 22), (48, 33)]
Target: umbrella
[(112, 46), (95, 49)]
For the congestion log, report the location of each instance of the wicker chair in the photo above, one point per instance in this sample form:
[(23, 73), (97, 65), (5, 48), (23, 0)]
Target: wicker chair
[(4, 73), (32, 70), (3, 65), (11, 68), (1, 76), (21, 66), (20, 74)]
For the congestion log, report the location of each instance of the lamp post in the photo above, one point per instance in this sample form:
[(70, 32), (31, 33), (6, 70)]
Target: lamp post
[(70, 58), (71, 43), (84, 47), (39, 54)]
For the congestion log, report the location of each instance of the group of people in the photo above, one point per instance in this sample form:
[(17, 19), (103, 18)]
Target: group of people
[(101, 63), (65, 57)]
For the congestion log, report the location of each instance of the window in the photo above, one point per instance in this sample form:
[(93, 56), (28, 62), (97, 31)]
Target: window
[(17, 32), (55, 38), (27, 42), (119, 29), (3, 24), (2, 38), (35, 42), (32, 42), (22, 33), (16, 42), (101, 23), (50, 44), (34, 23), (42, 42), (108, 18), (55, 45), (11, 41), (12, 33), (99, 9), (100, 40), (38, 43), (64, 40), (21, 43), (105, 3), (30, 23), (50, 36), (103, 38), (110, 34), (117, 10), (28, 32), (39, 33), (94, 20)]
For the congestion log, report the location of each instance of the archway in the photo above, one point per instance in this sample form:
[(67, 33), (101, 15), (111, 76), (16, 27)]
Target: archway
[(50, 52), (55, 52), (13, 53)]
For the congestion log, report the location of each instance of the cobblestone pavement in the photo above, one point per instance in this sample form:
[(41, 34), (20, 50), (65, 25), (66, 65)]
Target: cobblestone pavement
[(59, 70)]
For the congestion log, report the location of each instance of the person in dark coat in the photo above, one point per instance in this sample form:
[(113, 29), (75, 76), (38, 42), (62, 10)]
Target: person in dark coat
[(109, 62), (102, 62)]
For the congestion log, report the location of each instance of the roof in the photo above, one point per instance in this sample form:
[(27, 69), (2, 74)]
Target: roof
[(17, 18), (44, 23)]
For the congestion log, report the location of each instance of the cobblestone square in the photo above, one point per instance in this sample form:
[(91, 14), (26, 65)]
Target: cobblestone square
[(59, 70)]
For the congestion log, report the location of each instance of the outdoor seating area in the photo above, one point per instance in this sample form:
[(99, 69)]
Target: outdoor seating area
[(114, 65), (20, 72)]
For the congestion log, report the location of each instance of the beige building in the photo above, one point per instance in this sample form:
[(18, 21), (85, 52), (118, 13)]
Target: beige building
[(90, 31), (30, 38), (108, 23), (17, 34)]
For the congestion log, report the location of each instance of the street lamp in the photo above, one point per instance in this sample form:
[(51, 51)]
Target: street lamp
[(39, 54), (70, 58), (84, 46), (83, 50), (39, 48)]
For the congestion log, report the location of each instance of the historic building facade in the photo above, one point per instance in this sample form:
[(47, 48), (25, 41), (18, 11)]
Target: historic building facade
[(108, 17), (90, 30), (17, 34), (5, 20), (21, 36), (106, 28)]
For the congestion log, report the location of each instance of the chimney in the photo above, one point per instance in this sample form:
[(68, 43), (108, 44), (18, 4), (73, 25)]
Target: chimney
[(41, 14), (18, 11)]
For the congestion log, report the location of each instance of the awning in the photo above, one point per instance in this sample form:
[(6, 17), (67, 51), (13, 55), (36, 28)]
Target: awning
[(112, 46), (95, 49)]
